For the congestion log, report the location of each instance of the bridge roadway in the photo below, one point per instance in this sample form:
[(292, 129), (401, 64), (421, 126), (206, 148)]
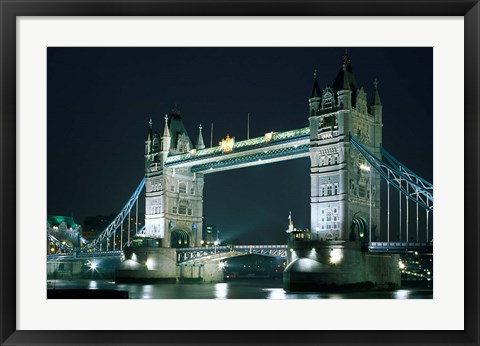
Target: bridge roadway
[(218, 253)]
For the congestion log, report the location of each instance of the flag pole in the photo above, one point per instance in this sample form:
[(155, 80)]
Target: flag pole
[(211, 135)]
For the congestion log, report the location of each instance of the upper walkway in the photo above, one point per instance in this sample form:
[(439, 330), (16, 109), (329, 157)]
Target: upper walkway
[(273, 147)]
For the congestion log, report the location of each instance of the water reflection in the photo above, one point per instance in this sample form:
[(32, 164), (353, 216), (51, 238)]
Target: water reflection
[(248, 289), (275, 293), (221, 291), (147, 292), (402, 294)]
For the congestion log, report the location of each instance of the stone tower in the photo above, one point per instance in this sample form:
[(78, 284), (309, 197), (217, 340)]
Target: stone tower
[(173, 202), (345, 191)]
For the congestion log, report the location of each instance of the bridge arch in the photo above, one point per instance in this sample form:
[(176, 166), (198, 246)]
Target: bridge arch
[(359, 228), (179, 238)]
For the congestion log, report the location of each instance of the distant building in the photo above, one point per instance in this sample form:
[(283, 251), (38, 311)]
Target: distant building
[(210, 234), (63, 229), (297, 234)]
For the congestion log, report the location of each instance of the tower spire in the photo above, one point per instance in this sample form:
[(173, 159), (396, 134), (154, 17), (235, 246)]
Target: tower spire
[(376, 97), (200, 144), (166, 132), (316, 88)]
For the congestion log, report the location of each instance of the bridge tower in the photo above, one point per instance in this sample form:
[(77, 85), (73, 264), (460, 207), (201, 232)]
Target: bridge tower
[(174, 197), (345, 192)]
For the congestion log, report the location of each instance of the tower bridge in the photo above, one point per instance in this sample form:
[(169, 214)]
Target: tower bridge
[(347, 167)]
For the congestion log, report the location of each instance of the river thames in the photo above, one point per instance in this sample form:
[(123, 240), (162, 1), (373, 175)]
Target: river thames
[(237, 289)]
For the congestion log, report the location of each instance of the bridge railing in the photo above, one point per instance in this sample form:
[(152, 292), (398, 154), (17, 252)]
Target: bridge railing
[(398, 247)]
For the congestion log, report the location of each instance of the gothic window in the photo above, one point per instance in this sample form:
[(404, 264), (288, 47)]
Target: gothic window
[(174, 210), (322, 161), (322, 190), (182, 207), (182, 188), (189, 211), (328, 121), (335, 189), (192, 190), (323, 211), (334, 210), (327, 100), (329, 216), (329, 160), (329, 190), (335, 159)]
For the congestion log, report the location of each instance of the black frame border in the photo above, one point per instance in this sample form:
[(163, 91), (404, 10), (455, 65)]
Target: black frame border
[(10, 9)]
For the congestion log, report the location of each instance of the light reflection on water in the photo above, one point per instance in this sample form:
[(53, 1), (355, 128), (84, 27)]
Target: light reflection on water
[(221, 291), (247, 289), (402, 294)]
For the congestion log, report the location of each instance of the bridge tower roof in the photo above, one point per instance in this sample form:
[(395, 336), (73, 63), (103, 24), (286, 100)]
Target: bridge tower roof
[(345, 79), (180, 140)]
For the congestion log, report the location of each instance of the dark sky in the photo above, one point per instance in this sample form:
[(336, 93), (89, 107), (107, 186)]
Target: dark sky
[(100, 101)]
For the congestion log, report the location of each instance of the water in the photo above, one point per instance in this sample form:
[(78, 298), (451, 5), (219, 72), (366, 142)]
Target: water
[(238, 289)]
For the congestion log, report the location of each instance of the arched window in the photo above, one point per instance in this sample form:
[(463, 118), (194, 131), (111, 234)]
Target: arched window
[(329, 190), (182, 188), (328, 100)]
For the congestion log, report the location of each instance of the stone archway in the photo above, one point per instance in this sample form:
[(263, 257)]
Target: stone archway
[(179, 238)]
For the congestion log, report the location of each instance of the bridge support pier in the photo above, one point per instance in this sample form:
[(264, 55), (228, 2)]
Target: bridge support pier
[(338, 266), (159, 264)]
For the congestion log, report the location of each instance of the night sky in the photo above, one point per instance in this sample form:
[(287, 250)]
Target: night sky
[(99, 102)]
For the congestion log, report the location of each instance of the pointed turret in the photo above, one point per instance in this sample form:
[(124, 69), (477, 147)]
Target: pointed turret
[(150, 131), (376, 97), (166, 139), (376, 104), (149, 147), (316, 89), (344, 95), (149, 139), (200, 144), (166, 131), (315, 99), (346, 81)]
